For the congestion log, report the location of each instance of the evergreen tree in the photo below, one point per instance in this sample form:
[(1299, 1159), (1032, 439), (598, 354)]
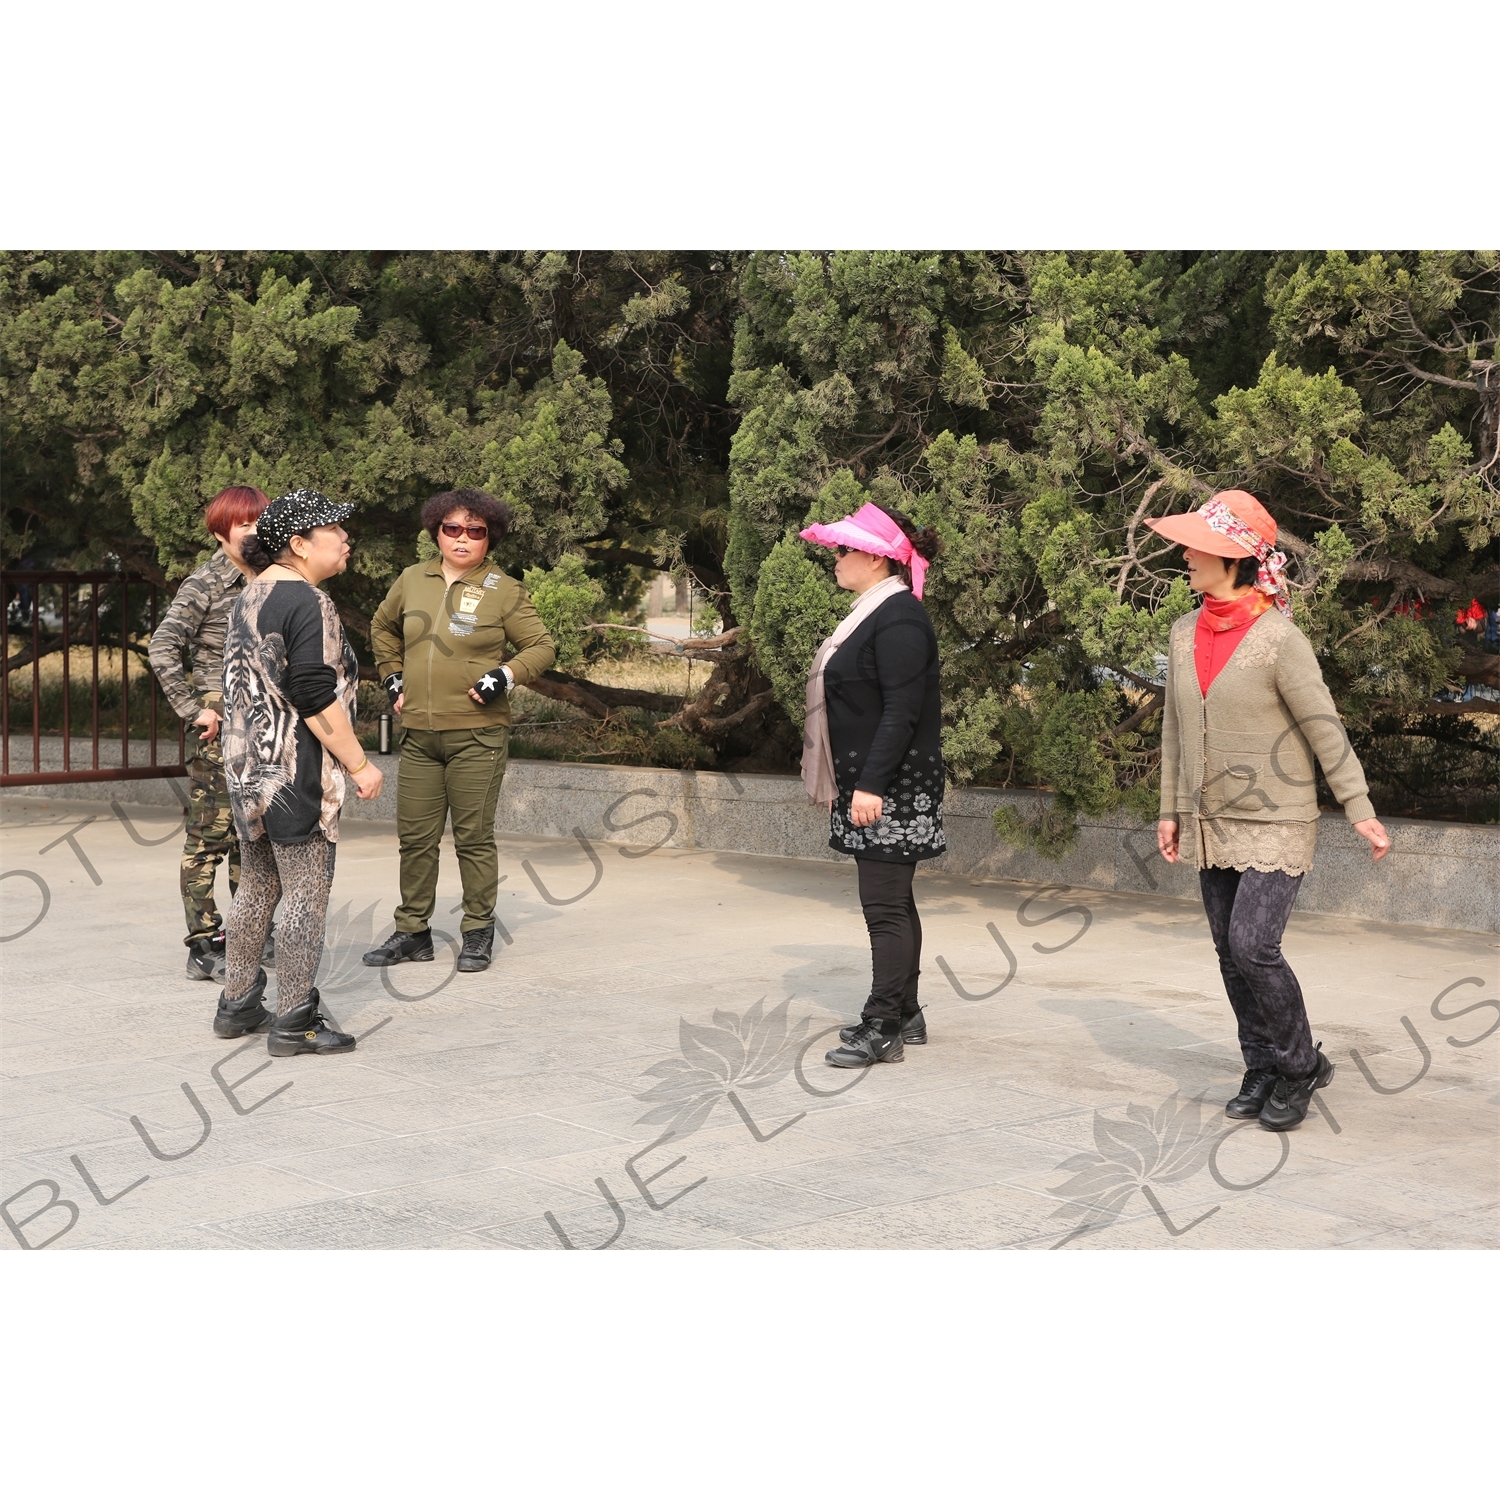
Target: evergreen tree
[(649, 409), (1037, 409)]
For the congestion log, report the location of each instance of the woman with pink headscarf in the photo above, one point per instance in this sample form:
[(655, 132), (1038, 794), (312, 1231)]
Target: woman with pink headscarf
[(872, 753)]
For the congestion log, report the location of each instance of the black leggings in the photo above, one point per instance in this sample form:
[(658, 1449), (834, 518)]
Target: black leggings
[(1247, 913), (895, 937)]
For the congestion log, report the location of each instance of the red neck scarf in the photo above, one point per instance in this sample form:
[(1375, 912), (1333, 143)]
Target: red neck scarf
[(1235, 614), (1222, 624)]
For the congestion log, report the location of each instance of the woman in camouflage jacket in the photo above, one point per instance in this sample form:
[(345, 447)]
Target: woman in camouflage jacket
[(187, 655)]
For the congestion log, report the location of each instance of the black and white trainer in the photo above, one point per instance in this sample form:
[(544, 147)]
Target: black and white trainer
[(868, 1045), (402, 948), (205, 959)]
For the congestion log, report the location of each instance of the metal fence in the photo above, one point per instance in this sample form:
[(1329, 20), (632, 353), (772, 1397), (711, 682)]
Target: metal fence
[(102, 611)]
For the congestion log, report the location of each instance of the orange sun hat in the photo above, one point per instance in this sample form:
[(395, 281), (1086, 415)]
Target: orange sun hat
[(1234, 524), (1194, 530)]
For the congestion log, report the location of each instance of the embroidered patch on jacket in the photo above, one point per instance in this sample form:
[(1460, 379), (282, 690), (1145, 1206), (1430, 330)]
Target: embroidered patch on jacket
[(465, 617)]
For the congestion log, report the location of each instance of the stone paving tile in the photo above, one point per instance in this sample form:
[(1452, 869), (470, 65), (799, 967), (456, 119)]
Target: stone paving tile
[(188, 1237), (755, 1206), (982, 1218), (486, 1063), (267, 1136), (641, 1232), (880, 1175), (479, 1200), (393, 1160), (1232, 1223), (20, 1135), (336, 1224), (1476, 1230), (723, 1147), (166, 1203), (1069, 1130), (450, 1109), (1403, 1194), (991, 1102), (410, 1109)]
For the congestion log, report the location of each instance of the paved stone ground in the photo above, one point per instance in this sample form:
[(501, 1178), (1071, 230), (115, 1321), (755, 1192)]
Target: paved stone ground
[(505, 1110)]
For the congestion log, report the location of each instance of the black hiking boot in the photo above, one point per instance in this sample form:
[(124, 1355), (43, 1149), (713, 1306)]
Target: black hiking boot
[(402, 948), (248, 1013), (868, 1045), (913, 1031), (303, 1029), (478, 943), (1255, 1089), (1291, 1098), (205, 958)]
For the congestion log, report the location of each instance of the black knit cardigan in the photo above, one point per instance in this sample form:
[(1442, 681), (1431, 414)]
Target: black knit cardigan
[(885, 730)]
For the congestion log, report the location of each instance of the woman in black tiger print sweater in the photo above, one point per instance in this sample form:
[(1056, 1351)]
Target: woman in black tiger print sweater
[(289, 743)]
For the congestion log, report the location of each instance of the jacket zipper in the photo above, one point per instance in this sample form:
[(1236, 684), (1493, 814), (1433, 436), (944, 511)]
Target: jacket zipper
[(431, 652)]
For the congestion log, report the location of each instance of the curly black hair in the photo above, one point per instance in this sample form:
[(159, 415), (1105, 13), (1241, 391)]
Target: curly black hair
[(924, 541), (494, 513)]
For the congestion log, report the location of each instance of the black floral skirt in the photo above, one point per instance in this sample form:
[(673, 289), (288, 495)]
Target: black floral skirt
[(910, 826)]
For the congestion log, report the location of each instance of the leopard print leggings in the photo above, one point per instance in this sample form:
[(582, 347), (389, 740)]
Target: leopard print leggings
[(299, 876)]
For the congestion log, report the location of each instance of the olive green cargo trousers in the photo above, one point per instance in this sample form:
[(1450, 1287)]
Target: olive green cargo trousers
[(457, 773)]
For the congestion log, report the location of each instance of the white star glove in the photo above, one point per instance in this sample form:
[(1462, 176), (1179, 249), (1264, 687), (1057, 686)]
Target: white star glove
[(492, 684)]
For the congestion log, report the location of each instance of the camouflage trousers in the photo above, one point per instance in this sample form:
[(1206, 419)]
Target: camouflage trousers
[(210, 839)]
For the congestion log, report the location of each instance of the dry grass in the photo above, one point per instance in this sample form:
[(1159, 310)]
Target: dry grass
[(657, 673), (80, 664)]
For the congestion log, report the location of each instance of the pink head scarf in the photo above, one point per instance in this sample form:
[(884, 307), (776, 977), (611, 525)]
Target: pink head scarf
[(869, 529)]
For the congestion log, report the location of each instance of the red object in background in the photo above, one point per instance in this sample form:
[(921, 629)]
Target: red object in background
[(1472, 617)]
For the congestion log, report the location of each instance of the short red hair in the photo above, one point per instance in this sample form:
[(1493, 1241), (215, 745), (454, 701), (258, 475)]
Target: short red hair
[(236, 506)]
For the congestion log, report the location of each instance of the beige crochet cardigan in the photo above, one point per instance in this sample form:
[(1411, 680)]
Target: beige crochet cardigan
[(1243, 756)]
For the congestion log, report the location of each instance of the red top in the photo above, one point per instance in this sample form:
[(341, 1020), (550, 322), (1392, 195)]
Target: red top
[(1222, 624)]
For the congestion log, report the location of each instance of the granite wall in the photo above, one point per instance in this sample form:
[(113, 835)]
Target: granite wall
[(1444, 875)]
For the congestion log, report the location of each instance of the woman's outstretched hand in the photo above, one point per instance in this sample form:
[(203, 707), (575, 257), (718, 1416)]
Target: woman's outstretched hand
[(865, 808), (1373, 830), (1166, 839)]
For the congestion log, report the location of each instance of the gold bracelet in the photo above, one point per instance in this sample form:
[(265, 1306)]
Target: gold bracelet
[(355, 770)]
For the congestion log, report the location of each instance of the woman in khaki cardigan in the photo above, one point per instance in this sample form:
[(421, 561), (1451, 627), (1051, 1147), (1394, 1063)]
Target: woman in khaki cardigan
[(1246, 712)]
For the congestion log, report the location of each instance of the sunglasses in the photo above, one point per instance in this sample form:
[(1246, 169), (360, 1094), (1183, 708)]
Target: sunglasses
[(474, 533), (842, 551)]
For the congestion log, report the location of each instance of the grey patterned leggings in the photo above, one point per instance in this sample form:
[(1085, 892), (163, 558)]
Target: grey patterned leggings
[(1247, 913), (299, 876)]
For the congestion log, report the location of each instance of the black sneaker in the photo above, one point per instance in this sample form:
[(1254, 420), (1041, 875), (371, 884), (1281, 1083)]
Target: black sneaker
[(478, 943), (248, 1013), (867, 1046), (303, 1029), (1291, 1098), (913, 1031), (205, 958), (402, 948), (1255, 1089)]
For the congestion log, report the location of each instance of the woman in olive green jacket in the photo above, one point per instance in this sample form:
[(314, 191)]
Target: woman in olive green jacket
[(439, 639)]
